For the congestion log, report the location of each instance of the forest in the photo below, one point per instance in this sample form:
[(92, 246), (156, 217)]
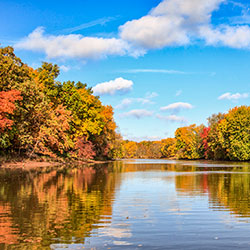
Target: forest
[(227, 137), (40, 116)]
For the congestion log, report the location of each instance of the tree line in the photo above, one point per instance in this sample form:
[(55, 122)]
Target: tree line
[(227, 137), (42, 116)]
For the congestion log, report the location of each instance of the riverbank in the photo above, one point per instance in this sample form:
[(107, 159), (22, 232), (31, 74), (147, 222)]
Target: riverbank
[(28, 164)]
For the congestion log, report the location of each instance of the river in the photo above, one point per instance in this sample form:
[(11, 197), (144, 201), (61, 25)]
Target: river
[(130, 204)]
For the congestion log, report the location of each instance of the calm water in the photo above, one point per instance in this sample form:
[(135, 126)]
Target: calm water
[(134, 204)]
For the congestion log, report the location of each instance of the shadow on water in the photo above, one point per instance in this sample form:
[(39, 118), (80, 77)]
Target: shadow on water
[(75, 206)]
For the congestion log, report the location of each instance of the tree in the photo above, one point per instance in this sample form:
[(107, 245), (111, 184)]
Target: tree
[(85, 108), (7, 108), (189, 142), (12, 70), (169, 147), (213, 147), (45, 76), (52, 138), (85, 148), (53, 118), (205, 138), (234, 133), (117, 148), (130, 149)]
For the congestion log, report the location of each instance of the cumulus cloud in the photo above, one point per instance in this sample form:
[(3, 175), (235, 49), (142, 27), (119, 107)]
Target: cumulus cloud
[(137, 113), (119, 85), (172, 118), (145, 100), (180, 22), (171, 23), (176, 107), (236, 96), (232, 36), (75, 46), (155, 32)]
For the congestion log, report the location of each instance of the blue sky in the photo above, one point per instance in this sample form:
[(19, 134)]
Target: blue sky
[(160, 64)]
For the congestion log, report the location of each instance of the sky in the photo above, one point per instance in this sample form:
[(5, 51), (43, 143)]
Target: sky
[(161, 64)]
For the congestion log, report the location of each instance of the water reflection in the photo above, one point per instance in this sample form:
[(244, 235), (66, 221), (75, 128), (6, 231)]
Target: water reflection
[(126, 204), (59, 205)]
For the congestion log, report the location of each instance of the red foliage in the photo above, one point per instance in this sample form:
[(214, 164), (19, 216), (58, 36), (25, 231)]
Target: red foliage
[(7, 107), (204, 136), (85, 148)]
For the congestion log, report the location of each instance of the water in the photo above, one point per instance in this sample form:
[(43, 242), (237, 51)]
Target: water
[(133, 204)]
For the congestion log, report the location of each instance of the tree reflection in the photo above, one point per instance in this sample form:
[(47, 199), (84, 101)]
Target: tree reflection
[(227, 188), (59, 206), (69, 204)]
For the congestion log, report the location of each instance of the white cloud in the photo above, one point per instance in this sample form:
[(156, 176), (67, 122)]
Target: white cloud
[(232, 36), (155, 32), (137, 113), (65, 68), (124, 103), (75, 46), (146, 100), (171, 23), (235, 96), (119, 85), (177, 106), (128, 101), (172, 118), (180, 22)]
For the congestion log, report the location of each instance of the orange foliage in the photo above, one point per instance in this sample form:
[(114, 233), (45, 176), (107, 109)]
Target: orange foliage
[(7, 107)]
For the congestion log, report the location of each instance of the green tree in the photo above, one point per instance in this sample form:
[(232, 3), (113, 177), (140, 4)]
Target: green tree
[(215, 150), (12, 70), (234, 133)]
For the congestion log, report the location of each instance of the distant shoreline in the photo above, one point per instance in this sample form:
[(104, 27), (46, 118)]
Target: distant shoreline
[(28, 164), (36, 164)]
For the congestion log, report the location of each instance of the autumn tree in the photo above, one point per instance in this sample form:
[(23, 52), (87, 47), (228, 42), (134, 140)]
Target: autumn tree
[(85, 148), (168, 148), (12, 70), (189, 142), (214, 149), (52, 138), (205, 141), (234, 133), (7, 108), (116, 150), (46, 76), (130, 149)]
